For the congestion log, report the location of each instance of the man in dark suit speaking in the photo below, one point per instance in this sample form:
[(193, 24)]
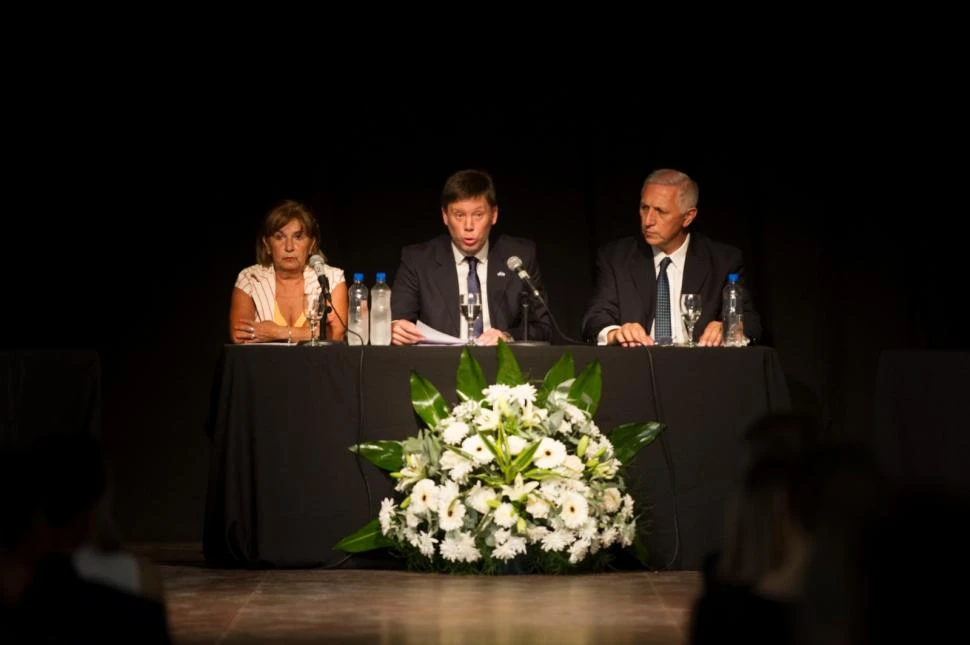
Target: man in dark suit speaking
[(639, 280), (434, 275)]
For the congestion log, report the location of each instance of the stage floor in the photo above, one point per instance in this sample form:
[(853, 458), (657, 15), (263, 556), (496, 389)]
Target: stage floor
[(208, 605)]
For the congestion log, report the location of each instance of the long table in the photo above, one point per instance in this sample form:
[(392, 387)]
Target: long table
[(284, 488)]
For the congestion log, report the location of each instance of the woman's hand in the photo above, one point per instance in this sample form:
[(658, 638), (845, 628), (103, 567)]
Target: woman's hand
[(263, 331)]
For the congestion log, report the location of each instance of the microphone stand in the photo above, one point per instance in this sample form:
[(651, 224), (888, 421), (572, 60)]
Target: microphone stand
[(525, 342)]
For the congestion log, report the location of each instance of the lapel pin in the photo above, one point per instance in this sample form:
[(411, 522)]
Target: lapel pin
[(500, 274)]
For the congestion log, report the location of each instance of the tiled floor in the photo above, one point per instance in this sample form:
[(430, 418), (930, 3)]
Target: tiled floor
[(208, 605)]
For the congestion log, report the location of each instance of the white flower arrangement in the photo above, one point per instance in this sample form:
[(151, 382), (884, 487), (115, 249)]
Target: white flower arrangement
[(511, 475)]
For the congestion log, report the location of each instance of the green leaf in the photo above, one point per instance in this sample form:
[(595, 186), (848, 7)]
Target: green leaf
[(500, 457), (640, 550), (427, 400), (562, 371), (387, 455), (540, 474), (471, 379), (586, 389), (494, 482), (367, 538), (509, 372), (523, 459), (629, 438)]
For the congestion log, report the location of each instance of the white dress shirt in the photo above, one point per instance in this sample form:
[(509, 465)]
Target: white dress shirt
[(461, 265), (675, 276)]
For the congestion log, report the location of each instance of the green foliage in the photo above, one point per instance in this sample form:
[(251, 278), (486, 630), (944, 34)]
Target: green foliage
[(386, 455), (367, 538), (586, 389)]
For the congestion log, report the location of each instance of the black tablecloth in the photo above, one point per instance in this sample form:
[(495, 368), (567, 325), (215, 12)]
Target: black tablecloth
[(283, 487)]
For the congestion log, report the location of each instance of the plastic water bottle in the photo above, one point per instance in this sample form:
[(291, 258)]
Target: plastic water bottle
[(358, 327), (732, 313), (380, 312)]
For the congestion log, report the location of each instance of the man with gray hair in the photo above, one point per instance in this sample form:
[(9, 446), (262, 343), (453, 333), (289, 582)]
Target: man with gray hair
[(639, 281)]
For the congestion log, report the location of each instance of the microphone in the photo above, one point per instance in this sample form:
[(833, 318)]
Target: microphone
[(514, 263), (317, 263)]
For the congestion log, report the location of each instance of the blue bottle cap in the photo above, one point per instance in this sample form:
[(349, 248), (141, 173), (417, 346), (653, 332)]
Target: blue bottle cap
[(381, 276), (732, 277), (358, 277)]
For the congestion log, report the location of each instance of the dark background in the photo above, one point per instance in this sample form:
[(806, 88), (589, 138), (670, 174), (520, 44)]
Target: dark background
[(134, 197)]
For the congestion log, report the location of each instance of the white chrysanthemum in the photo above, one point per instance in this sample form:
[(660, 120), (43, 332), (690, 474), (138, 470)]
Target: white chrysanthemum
[(572, 486), (572, 467), (609, 536), (516, 444), (424, 496), (523, 394), (447, 493), (460, 547), (573, 510), (537, 507), (564, 428), (611, 499), (627, 511), (450, 515), (588, 530), (487, 419), (577, 552), (557, 540), (455, 432), (497, 394), (386, 515), (465, 409), (509, 549), (519, 489), (467, 549), (550, 454), (411, 518), (627, 532), (576, 416), (533, 416), (425, 543), (536, 533), (500, 535), (479, 497), (475, 447), (450, 549), (505, 515), (457, 467)]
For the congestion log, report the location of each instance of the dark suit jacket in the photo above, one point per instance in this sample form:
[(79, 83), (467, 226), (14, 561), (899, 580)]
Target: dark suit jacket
[(426, 287), (626, 285)]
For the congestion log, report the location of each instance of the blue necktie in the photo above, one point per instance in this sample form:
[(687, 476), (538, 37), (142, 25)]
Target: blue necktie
[(474, 286), (663, 330)]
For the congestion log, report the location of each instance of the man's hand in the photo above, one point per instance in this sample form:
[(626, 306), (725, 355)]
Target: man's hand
[(629, 335), (712, 336), (405, 332), (490, 337)]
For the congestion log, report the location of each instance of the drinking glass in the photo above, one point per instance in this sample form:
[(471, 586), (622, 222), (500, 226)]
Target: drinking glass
[(311, 309), (471, 309), (690, 311)]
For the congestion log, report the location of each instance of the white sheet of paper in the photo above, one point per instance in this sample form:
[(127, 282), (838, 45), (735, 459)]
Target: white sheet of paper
[(434, 337)]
